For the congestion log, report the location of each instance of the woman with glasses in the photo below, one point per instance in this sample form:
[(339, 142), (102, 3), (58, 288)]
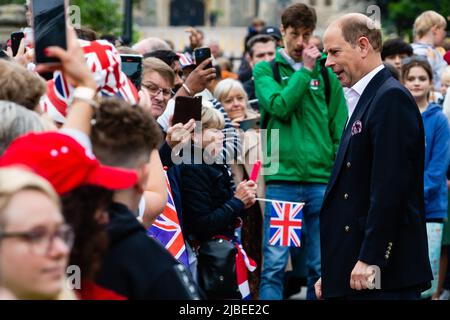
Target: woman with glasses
[(417, 76), (35, 241)]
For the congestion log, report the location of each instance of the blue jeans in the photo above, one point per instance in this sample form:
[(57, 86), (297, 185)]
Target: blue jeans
[(275, 258)]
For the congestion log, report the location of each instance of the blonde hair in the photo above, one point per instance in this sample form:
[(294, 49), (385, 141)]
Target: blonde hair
[(426, 21), (156, 65), (212, 118), (19, 85), (14, 180), (224, 87)]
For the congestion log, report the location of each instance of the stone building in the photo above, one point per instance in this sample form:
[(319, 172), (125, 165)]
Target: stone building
[(226, 13)]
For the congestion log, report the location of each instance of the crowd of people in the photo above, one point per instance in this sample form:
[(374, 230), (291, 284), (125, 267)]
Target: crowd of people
[(94, 173)]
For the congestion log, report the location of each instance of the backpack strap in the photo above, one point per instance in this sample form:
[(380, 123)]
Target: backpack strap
[(326, 80)]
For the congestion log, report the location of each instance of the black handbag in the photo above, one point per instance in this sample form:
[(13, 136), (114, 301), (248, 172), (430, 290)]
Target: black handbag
[(217, 269)]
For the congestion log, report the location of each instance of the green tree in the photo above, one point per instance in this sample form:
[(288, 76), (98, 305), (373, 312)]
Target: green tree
[(399, 15), (103, 16), (2, 2)]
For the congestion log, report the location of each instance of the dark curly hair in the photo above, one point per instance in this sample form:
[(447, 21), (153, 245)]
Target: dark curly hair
[(80, 207), (123, 134)]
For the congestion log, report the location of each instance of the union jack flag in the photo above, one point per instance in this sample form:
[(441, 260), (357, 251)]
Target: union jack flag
[(286, 224), (167, 230), (105, 63)]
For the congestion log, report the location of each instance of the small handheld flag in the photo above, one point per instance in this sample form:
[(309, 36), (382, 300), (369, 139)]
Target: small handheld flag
[(285, 223)]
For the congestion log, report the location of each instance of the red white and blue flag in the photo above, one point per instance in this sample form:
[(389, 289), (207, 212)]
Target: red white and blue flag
[(167, 230), (285, 223), (104, 61)]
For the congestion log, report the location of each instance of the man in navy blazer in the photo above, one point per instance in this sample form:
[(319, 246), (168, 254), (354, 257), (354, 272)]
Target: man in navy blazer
[(372, 222)]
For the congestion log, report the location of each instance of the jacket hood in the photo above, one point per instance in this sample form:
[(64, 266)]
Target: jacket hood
[(432, 109)]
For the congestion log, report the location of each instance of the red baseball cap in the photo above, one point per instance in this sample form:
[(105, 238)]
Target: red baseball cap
[(64, 162)]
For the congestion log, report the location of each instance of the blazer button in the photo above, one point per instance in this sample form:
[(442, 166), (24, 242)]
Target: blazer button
[(347, 228), (349, 165), (346, 196)]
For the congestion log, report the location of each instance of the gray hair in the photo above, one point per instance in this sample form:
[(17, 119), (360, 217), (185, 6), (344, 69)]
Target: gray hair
[(224, 87), (150, 44), (16, 121)]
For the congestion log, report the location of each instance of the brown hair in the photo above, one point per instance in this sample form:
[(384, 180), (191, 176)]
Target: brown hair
[(19, 85), (356, 26), (260, 38), (416, 61), (299, 15), (160, 67), (80, 207), (123, 134)]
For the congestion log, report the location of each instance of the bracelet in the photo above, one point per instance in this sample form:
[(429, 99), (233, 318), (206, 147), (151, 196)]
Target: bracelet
[(187, 89)]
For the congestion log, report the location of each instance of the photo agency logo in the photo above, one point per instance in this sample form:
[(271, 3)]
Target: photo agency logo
[(374, 278), (232, 147), (374, 13), (73, 280), (74, 16)]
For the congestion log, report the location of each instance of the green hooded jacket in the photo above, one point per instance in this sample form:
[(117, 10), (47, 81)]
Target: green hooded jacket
[(308, 129)]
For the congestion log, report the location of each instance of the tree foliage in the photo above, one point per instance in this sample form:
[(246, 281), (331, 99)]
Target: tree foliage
[(103, 16)]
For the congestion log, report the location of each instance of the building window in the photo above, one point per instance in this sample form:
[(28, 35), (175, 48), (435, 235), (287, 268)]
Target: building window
[(328, 3)]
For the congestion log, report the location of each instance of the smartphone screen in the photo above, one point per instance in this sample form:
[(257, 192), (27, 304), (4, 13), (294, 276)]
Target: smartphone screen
[(248, 124), (16, 37), (201, 54), (132, 67), (187, 108), (49, 21)]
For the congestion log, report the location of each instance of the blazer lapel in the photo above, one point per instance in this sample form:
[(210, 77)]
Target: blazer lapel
[(366, 97)]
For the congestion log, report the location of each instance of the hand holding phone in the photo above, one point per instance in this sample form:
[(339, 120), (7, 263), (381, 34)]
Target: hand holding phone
[(187, 108), (16, 38), (248, 124), (49, 22), (201, 54)]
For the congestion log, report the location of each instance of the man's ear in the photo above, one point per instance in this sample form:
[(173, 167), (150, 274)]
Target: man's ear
[(142, 173), (364, 46)]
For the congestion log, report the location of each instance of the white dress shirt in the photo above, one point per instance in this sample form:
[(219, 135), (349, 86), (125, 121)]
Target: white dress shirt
[(353, 94)]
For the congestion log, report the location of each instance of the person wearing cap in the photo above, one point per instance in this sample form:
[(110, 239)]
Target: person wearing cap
[(394, 51), (135, 265), (35, 241), (260, 48), (309, 129), (275, 33)]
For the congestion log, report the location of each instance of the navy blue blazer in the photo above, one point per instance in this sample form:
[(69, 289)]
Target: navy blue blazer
[(373, 209)]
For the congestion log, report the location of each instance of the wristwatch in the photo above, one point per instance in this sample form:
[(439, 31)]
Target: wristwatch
[(87, 95)]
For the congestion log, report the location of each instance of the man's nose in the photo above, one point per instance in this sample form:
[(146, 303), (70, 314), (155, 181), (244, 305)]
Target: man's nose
[(329, 62)]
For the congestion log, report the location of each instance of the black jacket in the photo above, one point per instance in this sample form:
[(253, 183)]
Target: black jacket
[(209, 205), (137, 266), (373, 209)]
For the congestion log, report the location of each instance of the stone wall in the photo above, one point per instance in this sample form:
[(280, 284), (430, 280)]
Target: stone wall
[(12, 18)]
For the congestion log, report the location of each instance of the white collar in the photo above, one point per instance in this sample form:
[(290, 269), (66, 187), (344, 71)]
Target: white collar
[(361, 85)]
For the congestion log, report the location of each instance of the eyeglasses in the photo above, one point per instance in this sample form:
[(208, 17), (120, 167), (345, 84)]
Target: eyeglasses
[(414, 58), (40, 240), (154, 90)]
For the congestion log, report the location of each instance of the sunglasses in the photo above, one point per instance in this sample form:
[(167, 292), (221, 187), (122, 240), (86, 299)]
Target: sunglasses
[(414, 58)]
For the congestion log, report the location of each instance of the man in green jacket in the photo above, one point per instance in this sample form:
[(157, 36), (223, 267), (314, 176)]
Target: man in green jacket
[(304, 127)]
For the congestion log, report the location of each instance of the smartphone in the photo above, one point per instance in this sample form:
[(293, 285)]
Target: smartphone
[(187, 108), (49, 22), (16, 37), (254, 123), (132, 67), (201, 54), (255, 171)]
